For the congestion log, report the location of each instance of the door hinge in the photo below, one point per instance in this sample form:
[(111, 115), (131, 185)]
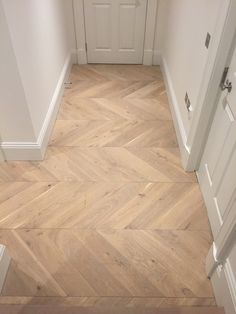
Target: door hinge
[(86, 47)]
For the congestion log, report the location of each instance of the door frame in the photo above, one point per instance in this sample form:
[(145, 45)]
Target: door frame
[(218, 59), (80, 32)]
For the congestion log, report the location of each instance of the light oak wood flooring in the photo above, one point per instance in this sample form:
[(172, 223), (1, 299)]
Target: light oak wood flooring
[(109, 217)]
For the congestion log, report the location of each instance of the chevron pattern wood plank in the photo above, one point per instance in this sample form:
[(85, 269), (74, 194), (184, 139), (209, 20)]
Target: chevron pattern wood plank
[(115, 73), (118, 133), (109, 217), (101, 164), (129, 302), (115, 109), (97, 205), (115, 89), (134, 262)]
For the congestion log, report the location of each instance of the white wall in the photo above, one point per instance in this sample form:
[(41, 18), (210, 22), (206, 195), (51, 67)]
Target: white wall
[(15, 120), (41, 36), (182, 26)]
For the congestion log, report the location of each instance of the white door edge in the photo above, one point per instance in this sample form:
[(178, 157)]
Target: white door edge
[(4, 264), (209, 94)]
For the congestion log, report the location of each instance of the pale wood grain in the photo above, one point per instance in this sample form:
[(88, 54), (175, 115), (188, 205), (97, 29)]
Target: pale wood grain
[(34, 309), (109, 217)]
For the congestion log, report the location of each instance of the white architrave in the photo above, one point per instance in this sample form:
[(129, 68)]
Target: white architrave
[(150, 32), (78, 6)]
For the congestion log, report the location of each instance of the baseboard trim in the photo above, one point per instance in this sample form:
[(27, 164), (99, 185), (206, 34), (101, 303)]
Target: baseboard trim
[(36, 150), (50, 118), (4, 264), (174, 106), (224, 287), (21, 151)]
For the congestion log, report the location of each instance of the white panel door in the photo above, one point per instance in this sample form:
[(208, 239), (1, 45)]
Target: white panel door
[(217, 173), (115, 30)]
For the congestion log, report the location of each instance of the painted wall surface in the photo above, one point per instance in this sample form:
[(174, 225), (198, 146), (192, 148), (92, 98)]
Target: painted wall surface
[(15, 120), (182, 26), (41, 34)]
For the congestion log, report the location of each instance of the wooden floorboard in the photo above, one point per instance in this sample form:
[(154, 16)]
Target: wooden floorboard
[(32, 309), (109, 217)]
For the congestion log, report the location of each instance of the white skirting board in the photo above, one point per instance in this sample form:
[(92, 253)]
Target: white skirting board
[(4, 264), (36, 150), (174, 106)]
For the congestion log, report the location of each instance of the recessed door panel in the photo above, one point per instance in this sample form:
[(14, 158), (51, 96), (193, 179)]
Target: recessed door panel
[(102, 21), (226, 195), (127, 25)]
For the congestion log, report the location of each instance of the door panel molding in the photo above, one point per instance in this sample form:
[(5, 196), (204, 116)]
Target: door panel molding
[(115, 30), (80, 31)]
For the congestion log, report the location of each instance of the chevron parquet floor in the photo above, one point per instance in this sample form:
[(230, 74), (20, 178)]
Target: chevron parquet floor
[(109, 217)]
